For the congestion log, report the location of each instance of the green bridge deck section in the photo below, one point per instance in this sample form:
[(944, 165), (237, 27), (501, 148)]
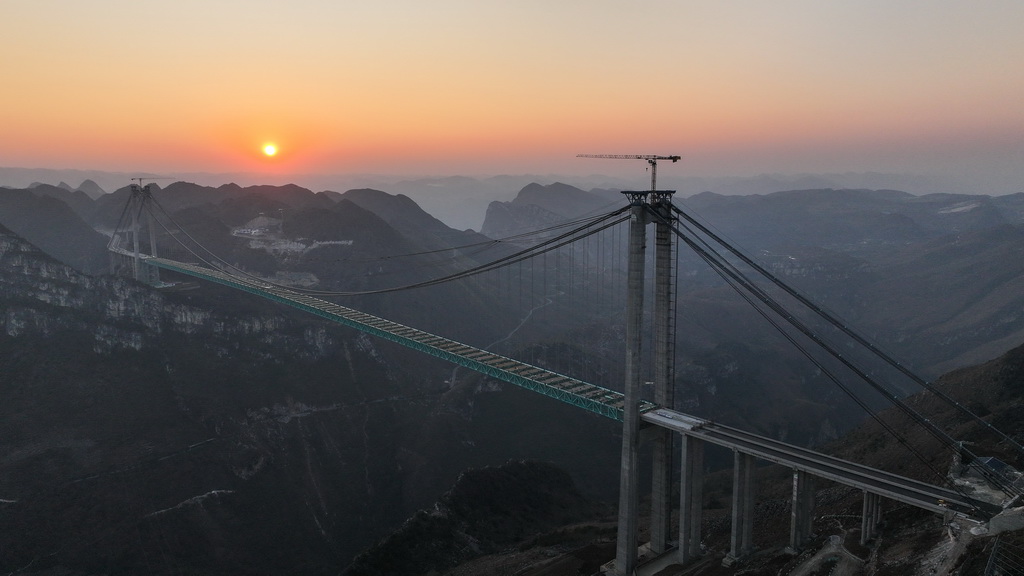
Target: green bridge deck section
[(603, 401)]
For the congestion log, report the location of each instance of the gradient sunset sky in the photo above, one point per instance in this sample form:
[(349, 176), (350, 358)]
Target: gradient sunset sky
[(478, 87)]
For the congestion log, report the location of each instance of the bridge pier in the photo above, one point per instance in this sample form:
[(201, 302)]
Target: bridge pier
[(802, 521), (691, 498), (119, 263), (871, 515), (742, 542), (661, 498)]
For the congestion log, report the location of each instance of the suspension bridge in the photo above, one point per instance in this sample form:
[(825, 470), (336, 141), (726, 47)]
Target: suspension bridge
[(674, 436)]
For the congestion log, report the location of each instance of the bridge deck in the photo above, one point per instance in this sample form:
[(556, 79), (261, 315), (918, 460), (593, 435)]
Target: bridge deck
[(570, 390), (609, 402), (900, 488)]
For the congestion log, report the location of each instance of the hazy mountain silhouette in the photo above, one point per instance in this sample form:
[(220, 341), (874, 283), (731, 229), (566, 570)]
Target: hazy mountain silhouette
[(537, 207), (77, 200), (411, 221), (43, 216), (181, 195), (91, 189)]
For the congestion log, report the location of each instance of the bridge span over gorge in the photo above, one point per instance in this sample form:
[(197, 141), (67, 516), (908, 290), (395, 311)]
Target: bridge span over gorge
[(677, 439)]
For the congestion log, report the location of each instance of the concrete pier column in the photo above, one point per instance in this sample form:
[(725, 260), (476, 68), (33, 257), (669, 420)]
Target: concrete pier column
[(871, 515), (878, 513), (865, 515), (661, 491), (153, 273), (691, 498), (135, 205), (742, 508), (629, 475), (802, 520), (664, 373)]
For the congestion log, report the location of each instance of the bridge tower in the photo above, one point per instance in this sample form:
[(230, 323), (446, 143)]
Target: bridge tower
[(138, 202), (646, 207)]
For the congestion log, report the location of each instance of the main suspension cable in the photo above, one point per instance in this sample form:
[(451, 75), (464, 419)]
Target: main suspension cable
[(483, 245), (849, 331), (553, 243), (771, 303), (718, 264)]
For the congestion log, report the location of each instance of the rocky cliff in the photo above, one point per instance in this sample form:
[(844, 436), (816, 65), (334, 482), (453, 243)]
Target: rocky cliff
[(144, 433)]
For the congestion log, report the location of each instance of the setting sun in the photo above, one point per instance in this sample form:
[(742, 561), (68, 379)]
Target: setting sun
[(270, 150)]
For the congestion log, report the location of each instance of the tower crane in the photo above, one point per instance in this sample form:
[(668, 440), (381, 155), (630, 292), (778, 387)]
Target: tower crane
[(652, 159)]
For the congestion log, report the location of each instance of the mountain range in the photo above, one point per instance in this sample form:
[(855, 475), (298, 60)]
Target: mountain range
[(461, 201), (192, 429)]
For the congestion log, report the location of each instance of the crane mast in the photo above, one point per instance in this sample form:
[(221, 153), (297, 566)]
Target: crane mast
[(652, 160)]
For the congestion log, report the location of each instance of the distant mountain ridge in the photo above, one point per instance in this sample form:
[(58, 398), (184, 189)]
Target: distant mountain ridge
[(461, 201), (406, 216), (88, 187), (538, 206)]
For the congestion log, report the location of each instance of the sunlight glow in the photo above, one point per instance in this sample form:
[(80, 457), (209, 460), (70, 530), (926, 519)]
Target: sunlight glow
[(816, 87)]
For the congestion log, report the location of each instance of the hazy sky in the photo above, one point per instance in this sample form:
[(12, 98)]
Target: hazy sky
[(478, 87)]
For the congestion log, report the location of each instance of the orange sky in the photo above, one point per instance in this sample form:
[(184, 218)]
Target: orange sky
[(469, 87)]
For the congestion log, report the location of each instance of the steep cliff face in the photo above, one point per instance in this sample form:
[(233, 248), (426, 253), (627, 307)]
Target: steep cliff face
[(142, 433), (469, 521), (44, 296)]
